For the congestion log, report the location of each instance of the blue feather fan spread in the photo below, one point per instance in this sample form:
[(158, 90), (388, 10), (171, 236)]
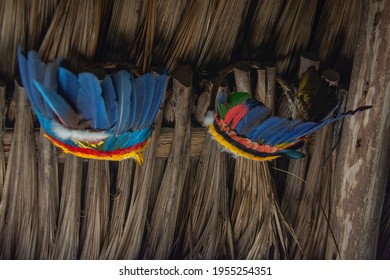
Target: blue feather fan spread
[(109, 119)]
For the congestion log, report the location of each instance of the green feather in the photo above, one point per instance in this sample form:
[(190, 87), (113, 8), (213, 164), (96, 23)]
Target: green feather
[(234, 99), (237, 98), (222, 110)]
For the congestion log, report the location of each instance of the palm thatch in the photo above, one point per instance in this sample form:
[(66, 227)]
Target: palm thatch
[(189, 199)]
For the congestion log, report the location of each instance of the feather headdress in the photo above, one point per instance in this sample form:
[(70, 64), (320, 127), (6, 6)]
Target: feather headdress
[(246, 127), (110, 119)]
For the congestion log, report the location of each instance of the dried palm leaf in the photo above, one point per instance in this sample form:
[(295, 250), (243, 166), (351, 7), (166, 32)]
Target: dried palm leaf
[(66, 244), (18, 205), (12, 33), (169, 16), (119, 210), (191, 33), (126, 22), (292, 34), (73, 32), (40, 15), (258, 30), (335, 36), (94, 225), (310, 223), (225, 22), (133, 232), (48, 196)]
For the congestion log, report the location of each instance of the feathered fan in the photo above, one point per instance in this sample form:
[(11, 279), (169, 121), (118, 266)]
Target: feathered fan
[(112, 119), (246, 127)]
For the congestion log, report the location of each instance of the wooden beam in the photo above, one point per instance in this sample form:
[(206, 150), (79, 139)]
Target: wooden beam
[(363, 155)]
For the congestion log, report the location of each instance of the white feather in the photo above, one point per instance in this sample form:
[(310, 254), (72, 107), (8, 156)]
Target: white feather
[(79, 135), (208, 118)]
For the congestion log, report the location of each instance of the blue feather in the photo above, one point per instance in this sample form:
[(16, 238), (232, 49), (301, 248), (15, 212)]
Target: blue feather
[(257, 133), (156, 99), (69, 85), (297, 132), (293, 154), (90, 102), (110, 101), (132, 138), (222, 98), (35, 100), (60, 107), (50, 82), (109, 143), (281, 134), (123, 88), (143, 91), (36, 72), (277, 129), (321, 125), (254, 116)]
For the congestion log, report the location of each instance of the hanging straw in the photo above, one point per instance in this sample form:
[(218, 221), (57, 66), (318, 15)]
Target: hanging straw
[(225, 23), (18, 205), (40, 15), (12, 34), (134, 228), (335, 36), (73, 32), (191, 33), (292, 34), (169, 16), (125, 23), (94, 225), (253, 39), (67, 238)]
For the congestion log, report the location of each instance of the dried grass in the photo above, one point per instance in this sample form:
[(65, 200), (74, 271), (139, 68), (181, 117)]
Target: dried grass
[(18, 210), (292, 34), (335, 37), (221, 33), (169, 17), (120, 199), (12, 33), (94, 225), (48, 198), (134, 230), (125, 22), (40, 16), (191, 33), (66, 244), (254, 39), (73, 32)]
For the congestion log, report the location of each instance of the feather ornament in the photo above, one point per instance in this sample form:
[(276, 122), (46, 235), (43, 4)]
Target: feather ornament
[(245, 127), (111, 120)]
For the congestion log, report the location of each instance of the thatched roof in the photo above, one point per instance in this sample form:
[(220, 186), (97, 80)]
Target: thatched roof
[(189, 199)]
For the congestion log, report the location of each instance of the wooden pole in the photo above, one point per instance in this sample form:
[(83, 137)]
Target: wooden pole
[(363, 155), (166, 209)]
